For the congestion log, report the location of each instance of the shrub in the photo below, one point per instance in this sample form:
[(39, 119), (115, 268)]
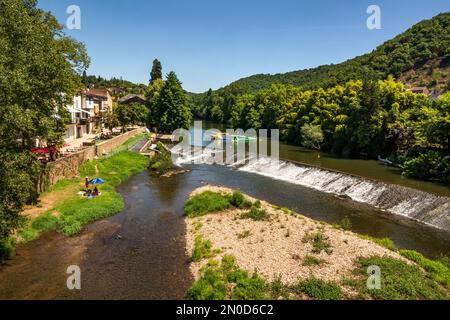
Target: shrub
[(250, 288), (319, 242), (202, 249), (256, 213), (206, 202), (228, 281), (278, 289), (162, 161), (319, 289), (346, 223), (238, 200), (210, 286)]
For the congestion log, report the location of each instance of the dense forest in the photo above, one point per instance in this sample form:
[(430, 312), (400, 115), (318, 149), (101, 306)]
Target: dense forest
[(356, 108)]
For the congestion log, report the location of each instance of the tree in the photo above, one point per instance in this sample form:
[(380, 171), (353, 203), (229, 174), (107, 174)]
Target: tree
[(131, 114), (140, 113), (156, 72), (40, 71), (312, 136), (110, 120), (171, 109)]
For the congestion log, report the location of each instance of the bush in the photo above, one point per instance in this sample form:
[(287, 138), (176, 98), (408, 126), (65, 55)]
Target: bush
[(346, 223), (228, 281), (319, 290), (206, 202), (202, 249), (256, 212), (250, 288), (210, 286), (430, 165), (162, 161), (319, 242), (238, 200)]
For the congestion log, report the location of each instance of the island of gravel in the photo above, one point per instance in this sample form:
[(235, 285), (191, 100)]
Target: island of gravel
[(244, 248)]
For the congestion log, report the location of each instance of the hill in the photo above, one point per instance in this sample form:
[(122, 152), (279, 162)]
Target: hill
[(419, 56)]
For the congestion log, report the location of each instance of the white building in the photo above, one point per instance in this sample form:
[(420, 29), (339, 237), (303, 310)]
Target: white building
[(87, 109), (81, 119)]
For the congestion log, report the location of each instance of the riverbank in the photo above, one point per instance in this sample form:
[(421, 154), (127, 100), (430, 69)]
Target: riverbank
[(63, 209), (299, 257)]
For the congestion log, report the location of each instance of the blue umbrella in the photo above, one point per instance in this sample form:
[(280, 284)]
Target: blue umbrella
[(97, 181)]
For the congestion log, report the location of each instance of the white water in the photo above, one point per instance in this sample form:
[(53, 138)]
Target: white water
[(414, 204)]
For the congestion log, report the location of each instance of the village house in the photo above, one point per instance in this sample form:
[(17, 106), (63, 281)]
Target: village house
[(132, 98), (86, 112)]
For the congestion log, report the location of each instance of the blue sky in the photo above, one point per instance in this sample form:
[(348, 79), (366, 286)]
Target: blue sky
[(211, 43)]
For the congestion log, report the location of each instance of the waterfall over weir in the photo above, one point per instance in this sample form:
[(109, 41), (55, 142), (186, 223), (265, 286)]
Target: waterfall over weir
[(414, 204)]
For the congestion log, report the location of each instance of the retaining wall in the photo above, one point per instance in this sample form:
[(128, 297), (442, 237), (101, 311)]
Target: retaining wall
[(68, 167)]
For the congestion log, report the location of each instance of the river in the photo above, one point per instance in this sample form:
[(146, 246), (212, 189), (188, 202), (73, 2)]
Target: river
[(140, 253)]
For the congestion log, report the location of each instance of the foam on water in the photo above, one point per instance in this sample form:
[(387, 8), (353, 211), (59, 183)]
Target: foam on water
[(414, 204)]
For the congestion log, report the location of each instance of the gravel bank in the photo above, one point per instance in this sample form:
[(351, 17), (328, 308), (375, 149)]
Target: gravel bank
[(277, 247)]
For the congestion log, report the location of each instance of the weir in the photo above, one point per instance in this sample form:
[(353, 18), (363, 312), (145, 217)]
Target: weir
[(414, 204), (417, 205)]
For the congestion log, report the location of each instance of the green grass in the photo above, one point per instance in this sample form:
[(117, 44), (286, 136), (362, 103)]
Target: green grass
[(210, 202), (71, 214), (206, 202), (319, 241), (202, 249), (256, 213), (439, 270), (384, 242), (399, 281), (227, 281), (345, 224), (130, 143), (319, 290), (312, 261)]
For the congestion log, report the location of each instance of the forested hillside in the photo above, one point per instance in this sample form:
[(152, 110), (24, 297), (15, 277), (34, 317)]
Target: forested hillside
[(406, 57), (359, 108)]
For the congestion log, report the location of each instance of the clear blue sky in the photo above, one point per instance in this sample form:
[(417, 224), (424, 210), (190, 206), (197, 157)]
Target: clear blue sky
[(210, 43)]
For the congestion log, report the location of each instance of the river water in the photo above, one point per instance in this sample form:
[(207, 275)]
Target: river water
[(140, 253)]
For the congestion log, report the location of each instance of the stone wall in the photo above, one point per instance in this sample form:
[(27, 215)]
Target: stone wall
[(68, 167)]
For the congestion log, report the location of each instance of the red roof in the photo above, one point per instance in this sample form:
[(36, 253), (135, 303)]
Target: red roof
[(97, 93)]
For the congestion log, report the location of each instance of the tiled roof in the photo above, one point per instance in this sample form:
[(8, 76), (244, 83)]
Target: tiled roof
[(97, 93)]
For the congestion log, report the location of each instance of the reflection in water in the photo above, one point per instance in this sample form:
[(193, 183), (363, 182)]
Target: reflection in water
[(365, 168)]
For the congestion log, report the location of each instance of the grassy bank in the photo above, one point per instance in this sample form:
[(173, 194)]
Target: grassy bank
[(268, 252), (71, 213), (67, 212)]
